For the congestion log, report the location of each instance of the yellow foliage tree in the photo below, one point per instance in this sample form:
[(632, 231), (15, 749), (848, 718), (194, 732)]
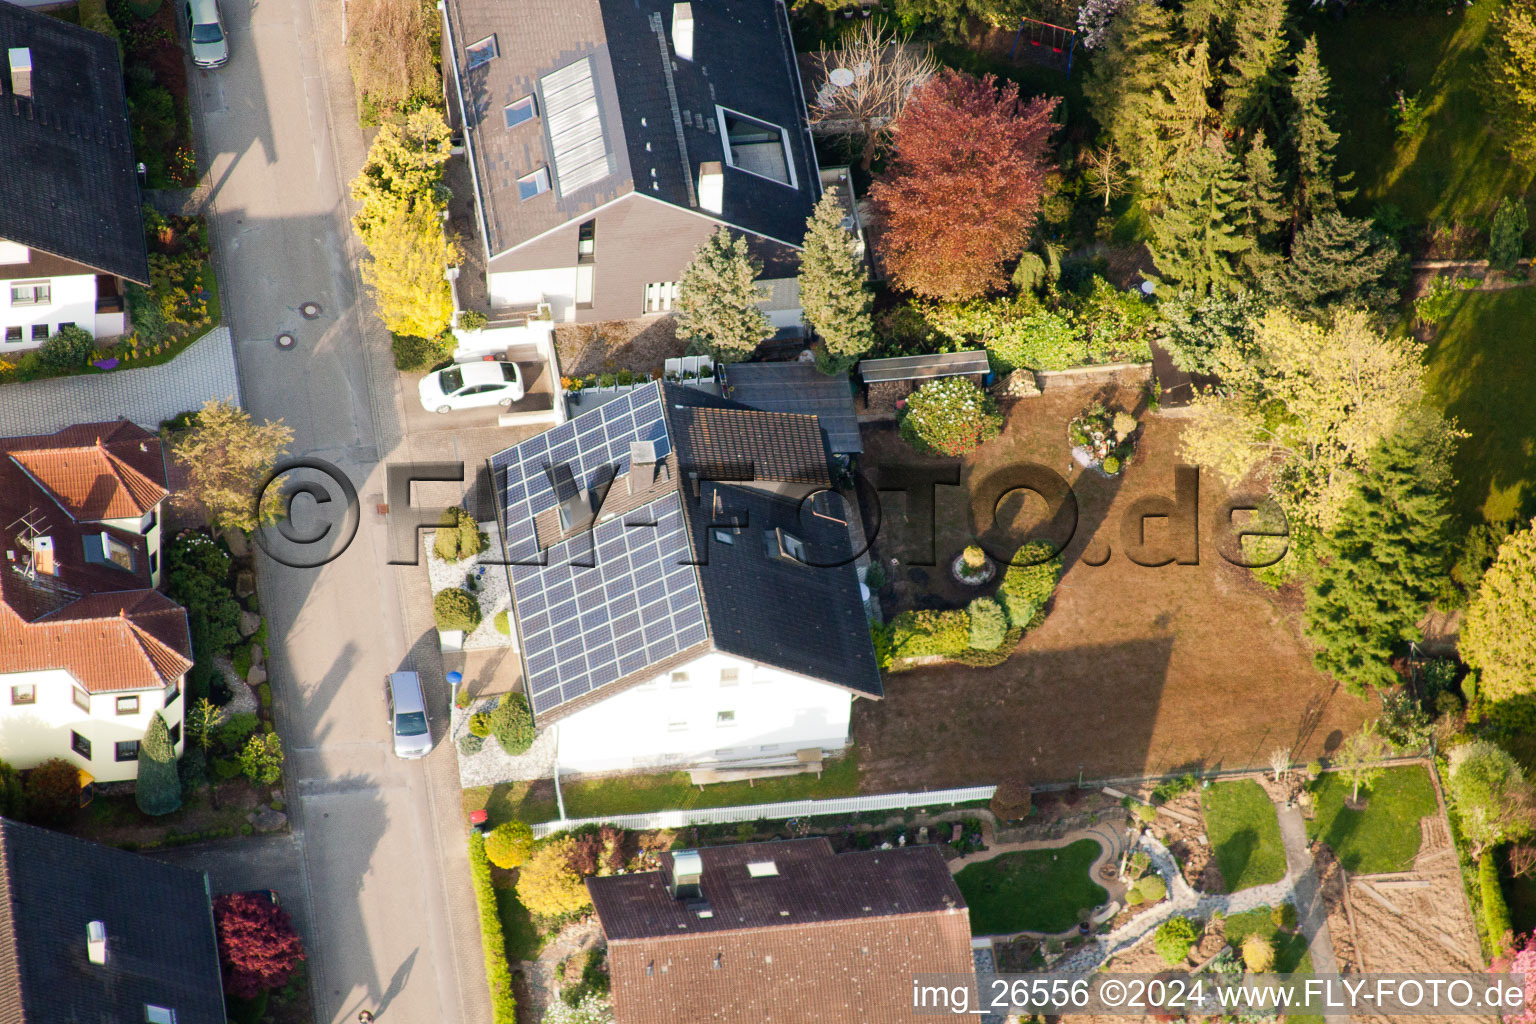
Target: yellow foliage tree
[(225, 455), (548, 886), (405, 162), (408, 250)]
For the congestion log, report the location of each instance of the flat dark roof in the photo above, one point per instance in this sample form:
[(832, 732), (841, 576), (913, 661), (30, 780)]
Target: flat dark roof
[(939, 364)]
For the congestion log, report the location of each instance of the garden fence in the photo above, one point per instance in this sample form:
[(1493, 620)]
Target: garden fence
[(773, 812)]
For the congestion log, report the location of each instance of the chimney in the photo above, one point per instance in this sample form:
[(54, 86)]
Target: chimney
[(682, 31), (642, 466), (96, 942), (687, 875), (42, 556), (712, 186), (21, 70)]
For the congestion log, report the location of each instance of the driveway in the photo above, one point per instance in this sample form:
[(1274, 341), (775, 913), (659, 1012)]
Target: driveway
[(273, 862), (204, 369), (380, 844)]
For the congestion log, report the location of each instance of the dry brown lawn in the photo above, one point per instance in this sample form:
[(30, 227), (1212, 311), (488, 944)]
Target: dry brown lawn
[(1135, 670)]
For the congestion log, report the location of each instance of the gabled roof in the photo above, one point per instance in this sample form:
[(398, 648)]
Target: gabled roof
[(618, 112), (160, 946), (101, 621), (68, 186), (600, 609), (799, 387), (817, 936)]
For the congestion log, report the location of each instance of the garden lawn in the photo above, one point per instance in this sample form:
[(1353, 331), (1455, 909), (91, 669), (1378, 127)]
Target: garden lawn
[(1033, 890), (638, 794), (1291, 956), (1479, 370), (1245, 834), (517, 927), (1454, 168), (1385, 835)]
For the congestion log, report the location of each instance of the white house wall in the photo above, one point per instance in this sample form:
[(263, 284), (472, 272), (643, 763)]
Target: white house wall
[(660, 723), (527, 288), (32, 733), (73, 300)]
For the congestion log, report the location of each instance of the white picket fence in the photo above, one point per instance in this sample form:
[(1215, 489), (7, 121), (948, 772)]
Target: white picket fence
[(774, 812)]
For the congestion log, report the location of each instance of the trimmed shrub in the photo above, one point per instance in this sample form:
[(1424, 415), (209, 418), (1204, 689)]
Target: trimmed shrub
[(158, 790), (262, 759), (988, 627), (480, 724), (1173, 939), (1012, 799), (917, 633), (1110, 465), (493, 942), (1137, 863), (950, 416), (53, 792), (456, 609), (470, 744), (418, 355), (1258, 953), (1506, 239), (1145, 813), (548, 885), (502, 623), (512, 724), (1150, 889), (458, 536), (13, 796), (509, 844), (68, 349), (258, 946), (1029, 582), (1496, 919)]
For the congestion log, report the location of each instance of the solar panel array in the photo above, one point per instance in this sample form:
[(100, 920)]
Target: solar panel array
[(575, 126), (639, 603)]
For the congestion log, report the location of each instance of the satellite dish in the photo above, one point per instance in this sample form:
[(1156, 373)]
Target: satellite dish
[(863, 69), (841, 77)]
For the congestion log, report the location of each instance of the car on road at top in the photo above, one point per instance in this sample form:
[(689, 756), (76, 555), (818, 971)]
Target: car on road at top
[(471, 385), (408, 724), (210, 47)]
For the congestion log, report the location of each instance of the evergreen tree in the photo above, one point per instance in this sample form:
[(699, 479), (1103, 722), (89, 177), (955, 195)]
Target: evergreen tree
[(1506, 239), (1312, 137), (1255, 79), (717, 299), (1194, 330), (1182, 108), (1124, 75), (158, 790), (1263, 208), (1197, 243), (1339, 260), (834, 287), (1499, 637), (1381, 563), (1511, 73)]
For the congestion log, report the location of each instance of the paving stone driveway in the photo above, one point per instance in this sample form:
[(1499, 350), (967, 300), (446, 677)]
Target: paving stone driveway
[(204, 370)]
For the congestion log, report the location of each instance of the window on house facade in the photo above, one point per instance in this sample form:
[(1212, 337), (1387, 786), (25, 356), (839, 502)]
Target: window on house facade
[(530, 185), (82, 700), (172, 692), (725, 718), (39, 332), (154, 562), (66, 323), (175, 734), (679, 678), (730, 676), (520, 111), (127, 750), (128, 705), (31, 293), (476, 54), (660, 296), (586, 242), (79, 744), (677, 725), (148, 522), (14, 334), (158, 1014), (24, 693)]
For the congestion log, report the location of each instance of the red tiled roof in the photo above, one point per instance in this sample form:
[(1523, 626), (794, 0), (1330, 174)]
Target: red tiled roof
[(828, 938), (104, 624)]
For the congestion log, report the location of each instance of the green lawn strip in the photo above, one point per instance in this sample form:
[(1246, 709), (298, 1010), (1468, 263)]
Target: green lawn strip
[(1454, 168), (517, 927), (524, 801), (1479, 369), (1245, 834), (1385, 835), (1032, 890)]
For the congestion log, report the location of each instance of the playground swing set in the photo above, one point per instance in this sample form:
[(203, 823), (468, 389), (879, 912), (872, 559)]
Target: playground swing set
[(1051, 44)]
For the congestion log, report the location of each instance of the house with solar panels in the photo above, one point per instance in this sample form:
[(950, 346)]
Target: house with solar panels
[(607, 139), (683, 586)]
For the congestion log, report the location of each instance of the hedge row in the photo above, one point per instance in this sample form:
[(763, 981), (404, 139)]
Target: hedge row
[(1495, 910), (498, 973)]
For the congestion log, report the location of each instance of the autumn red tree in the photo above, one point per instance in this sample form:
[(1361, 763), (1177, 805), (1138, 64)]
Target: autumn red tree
[(258, 947), (964, 185)]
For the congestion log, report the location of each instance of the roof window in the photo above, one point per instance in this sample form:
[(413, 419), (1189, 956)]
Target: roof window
[(479, 53), (530, 185), (520, 111), (756, 147)]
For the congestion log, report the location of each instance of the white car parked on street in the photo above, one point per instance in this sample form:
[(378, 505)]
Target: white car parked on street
[(471, 385)]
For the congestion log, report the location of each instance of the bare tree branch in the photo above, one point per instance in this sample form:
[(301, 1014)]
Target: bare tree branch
[(884, 70)]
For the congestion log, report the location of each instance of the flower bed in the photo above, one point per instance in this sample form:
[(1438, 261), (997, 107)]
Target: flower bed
[(1103, 440), (484, 577)]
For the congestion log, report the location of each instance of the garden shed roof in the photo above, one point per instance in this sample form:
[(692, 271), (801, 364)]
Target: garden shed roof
[(938, 364)]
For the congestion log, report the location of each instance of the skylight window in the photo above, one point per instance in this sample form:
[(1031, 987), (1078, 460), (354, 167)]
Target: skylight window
[(762, 869), (522, 110), (533, 184), (756, 147), (476, 54)]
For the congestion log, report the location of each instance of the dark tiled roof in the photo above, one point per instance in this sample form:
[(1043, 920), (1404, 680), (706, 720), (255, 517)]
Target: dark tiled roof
[(608, 608), (800, 388), (829, 938), (104, 624), (67, 179), (743, 61), (161, 948)]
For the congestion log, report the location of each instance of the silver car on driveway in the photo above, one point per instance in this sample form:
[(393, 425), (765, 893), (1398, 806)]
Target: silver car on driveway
[(210, 46), (408, 715)]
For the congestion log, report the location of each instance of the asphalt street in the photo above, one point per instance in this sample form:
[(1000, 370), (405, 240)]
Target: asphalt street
[(375, 872)]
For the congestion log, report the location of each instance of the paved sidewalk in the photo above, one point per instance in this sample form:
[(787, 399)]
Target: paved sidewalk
[(147, 395)]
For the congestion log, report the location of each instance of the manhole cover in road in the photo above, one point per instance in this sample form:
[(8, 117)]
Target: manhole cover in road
[(310, 310), (286, 341)]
